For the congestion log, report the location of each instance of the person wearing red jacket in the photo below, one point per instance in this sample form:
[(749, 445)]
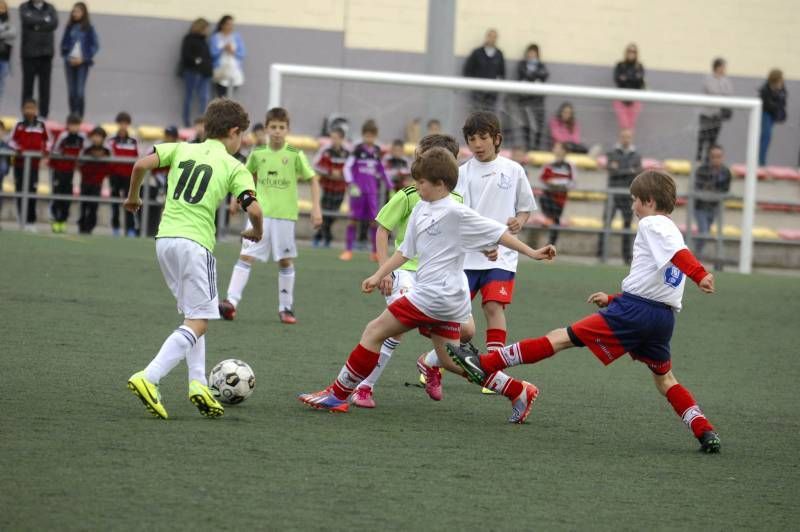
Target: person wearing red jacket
[(30, 134), (92, 175), (69, 143), (122, 145)]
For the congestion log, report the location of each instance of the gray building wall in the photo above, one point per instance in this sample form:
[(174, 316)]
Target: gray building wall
[(136, 71)]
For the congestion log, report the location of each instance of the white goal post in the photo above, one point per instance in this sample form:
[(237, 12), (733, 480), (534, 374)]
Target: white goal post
[(752, 105)]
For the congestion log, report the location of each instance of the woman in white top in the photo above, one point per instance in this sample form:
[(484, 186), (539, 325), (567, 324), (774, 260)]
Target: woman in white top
[(227, 52)]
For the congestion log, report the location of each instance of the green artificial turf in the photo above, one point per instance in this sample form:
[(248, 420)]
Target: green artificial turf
[(601, 450)]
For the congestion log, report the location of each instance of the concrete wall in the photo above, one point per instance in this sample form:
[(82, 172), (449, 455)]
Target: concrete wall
[(135, 69)]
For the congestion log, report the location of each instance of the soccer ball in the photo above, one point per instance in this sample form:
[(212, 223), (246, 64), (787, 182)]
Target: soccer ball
[(231, 381)]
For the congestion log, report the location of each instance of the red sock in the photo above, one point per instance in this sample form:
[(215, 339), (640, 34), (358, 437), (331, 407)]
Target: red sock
[(504, 385), (686, 407), (495, 339), (527, 351), (359, 364)]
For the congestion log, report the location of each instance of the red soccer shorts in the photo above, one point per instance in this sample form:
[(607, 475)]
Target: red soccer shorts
[(410, 316), (494, 285)]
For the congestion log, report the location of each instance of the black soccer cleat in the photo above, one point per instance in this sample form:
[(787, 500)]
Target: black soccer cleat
[(709, 442), (466, 357)]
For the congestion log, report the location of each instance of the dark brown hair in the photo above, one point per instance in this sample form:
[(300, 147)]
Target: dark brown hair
[(222, 115), (438, 140), (369, 127), (123, 116), (278, 114), (657, 186), (484, 122), (436, 165), (84, 21), (775, 76)]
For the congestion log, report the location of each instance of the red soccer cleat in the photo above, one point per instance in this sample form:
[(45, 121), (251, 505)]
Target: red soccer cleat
[(363, 397), (287, 317), (227, 310), (521, 406), (433, 379)]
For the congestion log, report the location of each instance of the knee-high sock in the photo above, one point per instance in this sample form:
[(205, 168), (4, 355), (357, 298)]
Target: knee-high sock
[(686, 407), (373, 232), (527, 351), (351, 237), (196, 361), (239, 278), (388, 347), (359, 364), (504, 385), (495, 339), (432, 359), (285, 288), (173, 350)]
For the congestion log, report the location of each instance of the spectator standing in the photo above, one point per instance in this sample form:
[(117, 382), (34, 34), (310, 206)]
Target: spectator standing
[(7, 35), (397, 167), (122, 145), (558, 177), (629, 74), (485, 62), (30, 134), (5, 160), (79, 45), (711, 118), (329, 165), (196, 68), (39, 21), (773, 105), (227, 53), (624, 163), (711, 176), (92, 175), (532, 70), (69, 143), (564, 128)]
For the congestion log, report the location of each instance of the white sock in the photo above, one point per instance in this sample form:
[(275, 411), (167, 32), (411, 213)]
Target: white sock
[(174, 349), (196, 361), (388, 347), (497, 382), (239, 278), (285, 288), (432, 359)]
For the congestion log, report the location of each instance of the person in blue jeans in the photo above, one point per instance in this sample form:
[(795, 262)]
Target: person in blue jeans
[(79, 45), (196, 68), (773, 105), (7, 35)]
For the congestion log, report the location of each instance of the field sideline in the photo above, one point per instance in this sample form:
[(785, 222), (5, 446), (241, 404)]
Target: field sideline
[(601, 450)]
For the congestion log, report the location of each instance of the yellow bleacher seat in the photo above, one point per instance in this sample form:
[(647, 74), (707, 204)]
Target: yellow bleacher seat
[(43, 188), (584, 162), (111, 128), (409, 148), (586, 222), (8, 185), (151, 133), (303, 142), (766, 233), (540, 158), (9, 121), (734, 204), (678, 166)]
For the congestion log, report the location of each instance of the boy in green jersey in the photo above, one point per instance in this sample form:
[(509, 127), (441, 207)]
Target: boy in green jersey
[(276, 167), (200, 176), (393, 218)]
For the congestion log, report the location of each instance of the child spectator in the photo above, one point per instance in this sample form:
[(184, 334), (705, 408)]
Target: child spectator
[(558, 177), (92, 175), (564, 128), (520, 156), (396, 166), (711, 118), (158, 183), (362, 172), (712, 176), (69, 143), (5, 160), (532, 70), (30, 134), (629, 74), (122, 145), (434, 127), (329, 165), (259, 135)]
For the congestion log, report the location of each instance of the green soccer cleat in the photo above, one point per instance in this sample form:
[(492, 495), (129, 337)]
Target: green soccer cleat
[(710, 442), (469, 361), (201, 397), (148, 394)]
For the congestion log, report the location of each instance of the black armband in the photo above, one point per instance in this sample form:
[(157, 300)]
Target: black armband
[(246, 198)]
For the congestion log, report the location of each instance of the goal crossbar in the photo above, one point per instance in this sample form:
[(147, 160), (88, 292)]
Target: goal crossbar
[(753, 105)]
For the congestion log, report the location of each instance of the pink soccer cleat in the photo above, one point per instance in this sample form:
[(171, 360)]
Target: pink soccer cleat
[(521, 406), (433, 379), (363, 397)]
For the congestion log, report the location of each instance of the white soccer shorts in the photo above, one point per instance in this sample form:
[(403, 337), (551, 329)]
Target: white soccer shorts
[(190, 271), (403, 281), (278, 239)]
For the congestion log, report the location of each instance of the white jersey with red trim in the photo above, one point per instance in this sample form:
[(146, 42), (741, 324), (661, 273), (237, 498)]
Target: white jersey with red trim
[(440, 233), (652, 275), (498, 190)]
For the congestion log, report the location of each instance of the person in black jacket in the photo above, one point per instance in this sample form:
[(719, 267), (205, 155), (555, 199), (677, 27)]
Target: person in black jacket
[(39, 22), (196, 68), (629, 74), (773, 110), (711, 176), (486, 62), (531, 108)]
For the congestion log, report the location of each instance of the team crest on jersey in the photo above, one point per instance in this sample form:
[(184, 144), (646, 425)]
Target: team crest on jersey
[(434, 229), (504, 182), (673, 276), (285, 161)]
